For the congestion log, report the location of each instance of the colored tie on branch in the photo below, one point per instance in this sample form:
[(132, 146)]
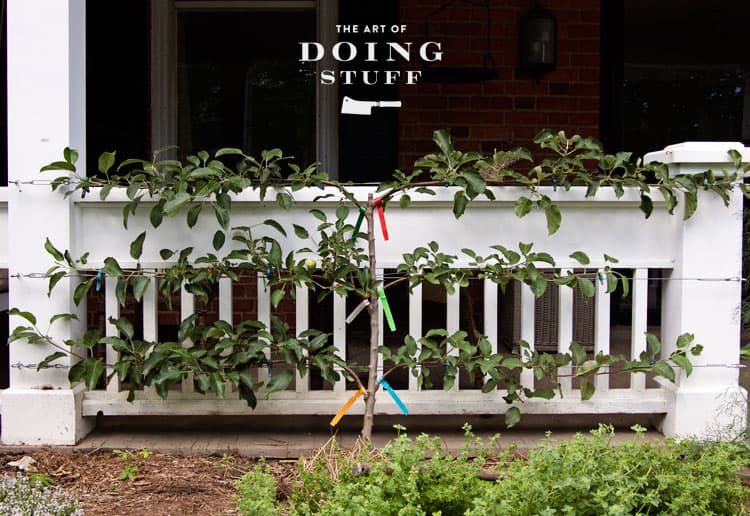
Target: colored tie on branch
[(386, 309), (358, 225), (393, 394), (381, 213), (357, 310), (346, 407)]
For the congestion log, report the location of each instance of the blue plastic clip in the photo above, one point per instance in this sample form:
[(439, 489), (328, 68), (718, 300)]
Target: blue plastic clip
[(446, 183), (85, 187), (395, 397), (651, 361), (99, 277), (705, 180), (269, 363), (445, 370), (554, 184), (269, 272), (601, 277)]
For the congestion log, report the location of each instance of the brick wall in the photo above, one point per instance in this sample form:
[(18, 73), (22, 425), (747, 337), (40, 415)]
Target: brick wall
[(509, 110)]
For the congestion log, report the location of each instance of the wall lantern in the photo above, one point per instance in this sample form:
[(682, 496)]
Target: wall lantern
[(538, 42)]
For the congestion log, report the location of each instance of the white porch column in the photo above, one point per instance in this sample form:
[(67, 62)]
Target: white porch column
[(46, 112), (697, 301)]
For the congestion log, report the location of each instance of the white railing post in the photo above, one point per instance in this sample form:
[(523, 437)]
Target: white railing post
[(46, 112), (702, 296)]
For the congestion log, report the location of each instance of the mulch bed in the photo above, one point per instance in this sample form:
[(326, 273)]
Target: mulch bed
[(163, 484)]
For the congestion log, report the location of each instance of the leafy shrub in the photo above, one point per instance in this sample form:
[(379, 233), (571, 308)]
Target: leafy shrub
[(412, 477), (22, 496), (584, 476), (591, 476), (257, 492)]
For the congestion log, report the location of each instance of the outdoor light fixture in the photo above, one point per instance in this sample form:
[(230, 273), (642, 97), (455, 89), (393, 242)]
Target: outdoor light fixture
[(538, 42)]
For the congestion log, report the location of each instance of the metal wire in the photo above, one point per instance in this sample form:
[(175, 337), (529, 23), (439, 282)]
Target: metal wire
[(19, 365)]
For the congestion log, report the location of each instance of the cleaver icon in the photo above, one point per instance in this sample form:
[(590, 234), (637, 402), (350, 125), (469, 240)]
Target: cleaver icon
[(350, 106)]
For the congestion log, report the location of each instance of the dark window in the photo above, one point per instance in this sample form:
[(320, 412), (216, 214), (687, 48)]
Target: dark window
[(241, 84), (117, 79), (684, 73)]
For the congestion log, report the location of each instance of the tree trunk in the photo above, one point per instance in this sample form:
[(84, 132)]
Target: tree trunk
[(372, 374)]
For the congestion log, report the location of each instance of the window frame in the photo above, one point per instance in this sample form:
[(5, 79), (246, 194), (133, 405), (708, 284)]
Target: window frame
[(163, 68)]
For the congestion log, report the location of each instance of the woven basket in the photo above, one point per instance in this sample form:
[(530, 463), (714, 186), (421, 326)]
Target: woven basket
[(546, 314)]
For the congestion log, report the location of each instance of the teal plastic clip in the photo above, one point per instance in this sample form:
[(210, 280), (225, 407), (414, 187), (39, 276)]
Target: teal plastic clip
[(99, 278), (386, 309), (393, 394)]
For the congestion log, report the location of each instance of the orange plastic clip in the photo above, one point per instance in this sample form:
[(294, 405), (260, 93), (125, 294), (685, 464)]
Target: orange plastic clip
[(347, 406)]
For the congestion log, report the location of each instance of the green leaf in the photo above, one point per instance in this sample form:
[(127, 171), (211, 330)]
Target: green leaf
[(554, 218), (404, 201), (279, 381), (284, 200), (81, 290), (218, 241), (318, 214), (581, 257), (685, 340), (476, 182), (611, 282), (525, 248), (106, 160), (647, 206), (443, 141), (156, 215), (683, 362), (54, 280), (171, 206), (691, 204), (166, 254), (26, 315), (277, 296), (51, 249), (653, 343), (136, 246), (578, 352), (736, 158), (665, 370), (70, 155), (459, 204), (203, 172), (64, 317), (300, 231), (587, 287), (587, 389), (89, 370), (140, 284), (342, 212), (50, 358), (192, 216), (111, 267), (512, 417), (523, 206), (275, 225), (124, 326), (228, 151), (610, 259)]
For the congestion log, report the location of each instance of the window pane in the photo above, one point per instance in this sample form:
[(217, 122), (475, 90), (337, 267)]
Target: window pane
[(241, 85)]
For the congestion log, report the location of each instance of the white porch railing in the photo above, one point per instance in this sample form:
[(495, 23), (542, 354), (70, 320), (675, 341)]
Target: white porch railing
[(596, 226), (701, 258)]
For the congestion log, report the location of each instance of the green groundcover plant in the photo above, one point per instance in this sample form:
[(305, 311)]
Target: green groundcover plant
[(588, 475)]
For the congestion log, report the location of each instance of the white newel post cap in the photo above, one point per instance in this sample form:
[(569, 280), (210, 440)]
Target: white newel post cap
[(695, 157)]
